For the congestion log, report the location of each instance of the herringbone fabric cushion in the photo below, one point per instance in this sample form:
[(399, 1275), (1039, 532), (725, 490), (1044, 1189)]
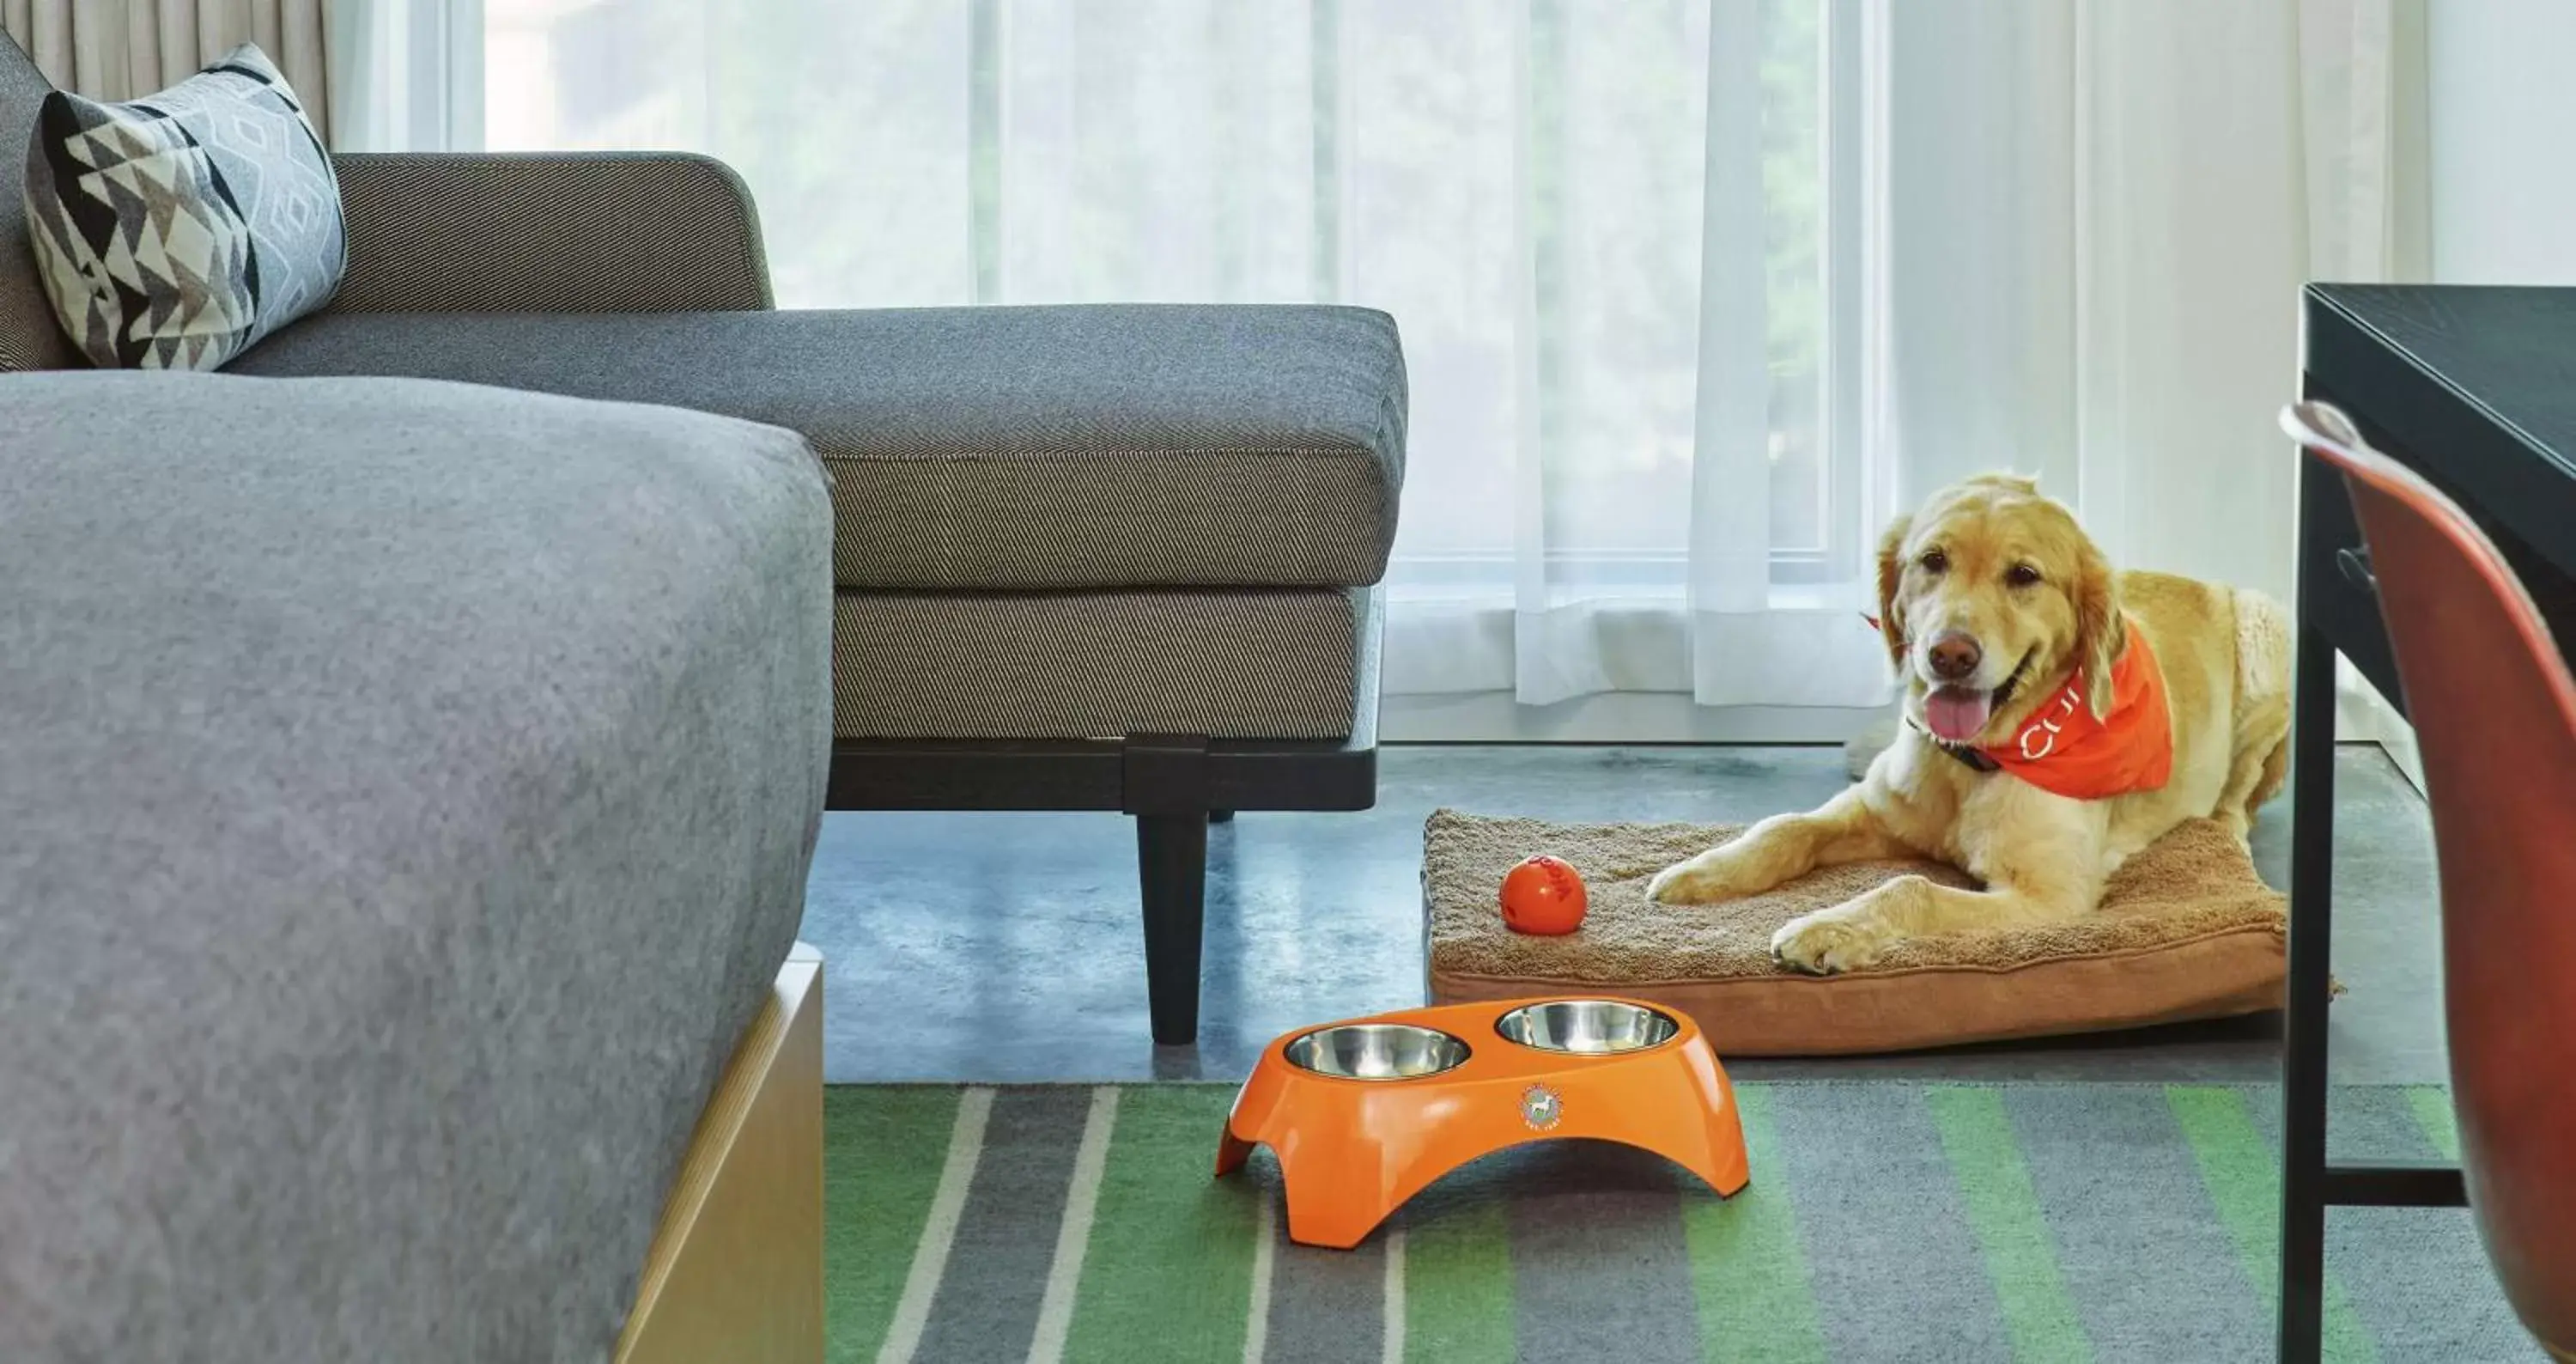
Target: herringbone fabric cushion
[(1226, 517), (556, 233), (1081, 665), (976, 449)]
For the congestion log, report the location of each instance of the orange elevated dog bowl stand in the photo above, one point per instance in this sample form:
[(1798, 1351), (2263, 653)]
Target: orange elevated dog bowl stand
[(1365, 1114)]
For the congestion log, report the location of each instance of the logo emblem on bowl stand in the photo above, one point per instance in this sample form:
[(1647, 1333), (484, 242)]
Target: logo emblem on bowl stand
[(1541, 1108)]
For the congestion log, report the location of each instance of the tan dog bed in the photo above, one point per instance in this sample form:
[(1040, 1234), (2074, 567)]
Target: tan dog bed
[(2186, 930)]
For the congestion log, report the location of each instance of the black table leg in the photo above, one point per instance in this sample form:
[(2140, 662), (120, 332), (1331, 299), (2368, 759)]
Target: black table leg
[(2303, 1062)]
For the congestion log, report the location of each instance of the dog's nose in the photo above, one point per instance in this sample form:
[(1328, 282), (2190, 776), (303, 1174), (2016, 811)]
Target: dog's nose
[(1953, 657)]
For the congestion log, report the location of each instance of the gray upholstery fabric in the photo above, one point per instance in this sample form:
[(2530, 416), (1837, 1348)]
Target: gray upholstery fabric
[(29, 336), (408, 792), (548, 232), (1082, 665), (993, 448)]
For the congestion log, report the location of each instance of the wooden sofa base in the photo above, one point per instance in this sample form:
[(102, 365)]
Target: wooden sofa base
[(736, 1268)]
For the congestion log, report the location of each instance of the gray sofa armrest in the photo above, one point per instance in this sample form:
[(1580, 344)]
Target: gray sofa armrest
[(610, 232)]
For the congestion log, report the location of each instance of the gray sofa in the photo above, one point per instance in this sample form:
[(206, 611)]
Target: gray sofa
[(1087, 557), (407, 792)]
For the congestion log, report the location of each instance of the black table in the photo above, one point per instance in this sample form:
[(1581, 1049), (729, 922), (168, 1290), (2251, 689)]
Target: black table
[(2475, 389)]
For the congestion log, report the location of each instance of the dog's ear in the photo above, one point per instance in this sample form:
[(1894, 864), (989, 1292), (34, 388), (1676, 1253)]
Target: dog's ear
[(1891, 570), (2100, 631)]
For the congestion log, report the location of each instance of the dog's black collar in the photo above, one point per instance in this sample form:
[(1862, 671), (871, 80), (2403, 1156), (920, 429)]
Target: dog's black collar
[(1975, 759)]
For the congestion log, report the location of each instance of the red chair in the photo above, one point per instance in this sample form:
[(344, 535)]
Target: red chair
[(2494, 712)]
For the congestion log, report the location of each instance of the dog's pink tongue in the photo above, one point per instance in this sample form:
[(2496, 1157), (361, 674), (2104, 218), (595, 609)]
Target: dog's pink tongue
[(1956, 713)]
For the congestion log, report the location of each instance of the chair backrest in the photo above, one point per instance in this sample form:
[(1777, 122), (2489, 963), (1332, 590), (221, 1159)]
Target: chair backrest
[(2494, 711), (29, 336)]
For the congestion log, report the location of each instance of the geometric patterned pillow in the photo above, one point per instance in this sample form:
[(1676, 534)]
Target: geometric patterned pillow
[(174, 231)]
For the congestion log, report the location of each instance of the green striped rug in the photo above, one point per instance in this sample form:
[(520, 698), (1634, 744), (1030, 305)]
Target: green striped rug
[(1885, 1221)]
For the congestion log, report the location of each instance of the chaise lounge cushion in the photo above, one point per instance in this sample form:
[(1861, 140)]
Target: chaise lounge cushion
[(995, 448), (406, 798)]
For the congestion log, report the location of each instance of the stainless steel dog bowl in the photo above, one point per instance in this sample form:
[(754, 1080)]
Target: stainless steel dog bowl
[(1587, 1027), (1377, 1051)]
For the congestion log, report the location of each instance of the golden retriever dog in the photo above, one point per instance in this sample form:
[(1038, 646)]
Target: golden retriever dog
[(2058, 717)]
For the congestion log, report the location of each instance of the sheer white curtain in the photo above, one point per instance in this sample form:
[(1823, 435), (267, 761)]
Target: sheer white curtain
[(406, 75), (2099, 218), (1695, 293)]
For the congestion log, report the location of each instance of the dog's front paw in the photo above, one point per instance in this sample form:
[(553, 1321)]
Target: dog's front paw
[(1718, 874), (1828, 941)]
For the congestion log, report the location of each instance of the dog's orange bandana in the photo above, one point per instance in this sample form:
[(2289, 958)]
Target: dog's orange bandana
[(2062, 748)]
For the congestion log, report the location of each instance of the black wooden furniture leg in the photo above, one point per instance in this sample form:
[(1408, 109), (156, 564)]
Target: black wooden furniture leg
[(2303, 1043), (1171, 855), (1164, 784)]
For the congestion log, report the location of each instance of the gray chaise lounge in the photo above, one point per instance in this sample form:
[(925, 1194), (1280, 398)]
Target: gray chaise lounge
[(407, 792), (1088, 558)]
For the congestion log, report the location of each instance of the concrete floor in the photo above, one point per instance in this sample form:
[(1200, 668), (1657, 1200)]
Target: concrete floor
[(1005, 947)]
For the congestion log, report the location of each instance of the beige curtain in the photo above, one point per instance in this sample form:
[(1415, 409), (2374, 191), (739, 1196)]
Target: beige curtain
[(121, 49)]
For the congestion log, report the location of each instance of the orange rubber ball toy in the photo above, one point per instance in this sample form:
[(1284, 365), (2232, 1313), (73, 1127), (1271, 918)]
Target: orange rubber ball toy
[(1543, 895)]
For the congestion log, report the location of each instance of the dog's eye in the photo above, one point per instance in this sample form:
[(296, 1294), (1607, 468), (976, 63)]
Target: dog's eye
[(2021, 575), (1934, 561)]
